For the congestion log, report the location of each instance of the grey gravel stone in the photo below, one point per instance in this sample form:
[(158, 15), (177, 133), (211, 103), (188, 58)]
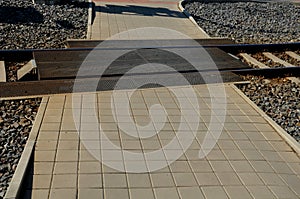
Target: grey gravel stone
[(25, 25), (278, 98), (248, 22), (16, 118)]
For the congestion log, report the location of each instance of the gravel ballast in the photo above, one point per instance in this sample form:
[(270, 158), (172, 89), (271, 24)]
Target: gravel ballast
[(16, 120), (25, 25), (248, 22), (11, 70), (278, 98), (268, 62)]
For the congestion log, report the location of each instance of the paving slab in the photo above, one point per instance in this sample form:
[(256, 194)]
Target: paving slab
[(252, 165), (248, 159), (2, 72), (113, 17)]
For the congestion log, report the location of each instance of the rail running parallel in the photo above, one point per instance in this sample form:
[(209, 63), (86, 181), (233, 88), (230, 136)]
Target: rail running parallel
[(57, 68)]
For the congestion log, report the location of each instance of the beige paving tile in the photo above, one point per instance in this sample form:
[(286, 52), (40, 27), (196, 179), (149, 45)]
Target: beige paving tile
[(271, 179), (40, 182), (228, 179), (180, 166), (271, 155), (50, 126), (90, 181), (227, 144), (67, 155), (215, 155), (225, 159), (130, 144), (47, 145), (89, 167), (137, 193), (140, 165), (36, 194), (207, 179), (214, 192), (232, 127), (241, 166), (64, 181), (253, 155), (68, 135), (233, 154), (289, 157), (67, 145), (281, 167), (68, 126), (237, 192), (292, 181), (271, 135), (138, 180), (295, 167), (263, 145), (42, 168), (115, 180), (244, 144), (90, 193), (57, 99), (89, 138), (250, 179), (151, 145), (162, 180), (283, 192), (280, 145), (52, 119), (116, 193), (236, 135), (88, 155), (62, 193), (247, 127), (47, 135), (255, 136), (243, 121), (221, 166), (65, 168), (162, 193), (71, 116), (53, 112), (261, 166), (263, 127), (44, 156), (184, 179), (260, 192), (225, 136), (106, 169), (200, 166), (190, 193)]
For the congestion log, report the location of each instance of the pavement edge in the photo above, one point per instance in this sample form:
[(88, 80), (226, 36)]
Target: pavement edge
[(282, 133), (90, 19), (15, 185), (188, 15)]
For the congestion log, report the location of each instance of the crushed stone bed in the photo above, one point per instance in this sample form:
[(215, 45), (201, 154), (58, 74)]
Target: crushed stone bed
[(16, 120), (248, 22), (278, 98), (25, 25)]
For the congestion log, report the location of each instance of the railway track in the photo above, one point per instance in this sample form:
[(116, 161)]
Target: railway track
[(55, 71)]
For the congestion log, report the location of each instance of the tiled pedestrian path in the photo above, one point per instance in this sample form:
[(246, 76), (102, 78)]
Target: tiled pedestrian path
[(250, 160), (114, 17)]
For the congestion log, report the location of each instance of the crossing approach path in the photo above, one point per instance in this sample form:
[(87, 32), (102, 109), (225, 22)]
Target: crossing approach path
[(248, 160)]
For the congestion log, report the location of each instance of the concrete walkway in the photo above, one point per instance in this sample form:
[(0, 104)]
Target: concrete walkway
[(113, 17), (249, 160)]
